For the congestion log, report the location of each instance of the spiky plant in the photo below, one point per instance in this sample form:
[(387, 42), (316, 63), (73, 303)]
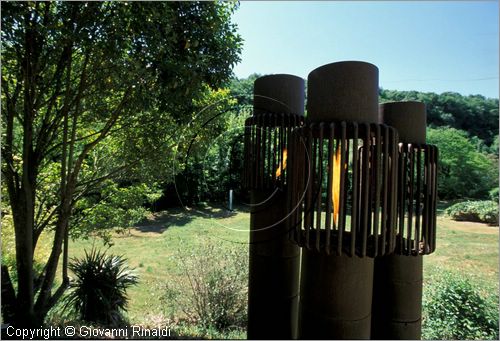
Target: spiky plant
[(98, 293)]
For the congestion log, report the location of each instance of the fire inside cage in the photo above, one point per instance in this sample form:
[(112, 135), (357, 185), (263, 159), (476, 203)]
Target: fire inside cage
[(343, 207)]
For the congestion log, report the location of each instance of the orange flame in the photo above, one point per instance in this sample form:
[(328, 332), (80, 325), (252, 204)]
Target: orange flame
[(336, 184), (278, 170)]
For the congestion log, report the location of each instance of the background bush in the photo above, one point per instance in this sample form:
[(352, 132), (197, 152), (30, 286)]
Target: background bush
[(98, 292), (478, 211), (454, 309), (463, 170), (494, 194), (211, 289)]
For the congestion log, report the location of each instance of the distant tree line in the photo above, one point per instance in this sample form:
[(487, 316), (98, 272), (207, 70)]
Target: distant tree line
[(465, 128), (475, 114)]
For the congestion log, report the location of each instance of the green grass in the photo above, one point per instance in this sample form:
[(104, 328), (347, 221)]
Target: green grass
[(151, 246), (468, 248)]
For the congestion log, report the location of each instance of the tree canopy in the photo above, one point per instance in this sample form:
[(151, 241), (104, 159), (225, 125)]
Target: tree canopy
[(463, 171), (465, 128), (474, 113), (91, 91)]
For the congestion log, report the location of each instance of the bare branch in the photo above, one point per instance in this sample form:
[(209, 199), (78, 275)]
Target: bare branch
[(51, 133), (40, 209), (107, 127), (82, 138), (59, 292), (5, 88), (95, 181), (46, 220)]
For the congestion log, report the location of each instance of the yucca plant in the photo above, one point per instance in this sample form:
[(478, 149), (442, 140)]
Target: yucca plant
[(98, 293)]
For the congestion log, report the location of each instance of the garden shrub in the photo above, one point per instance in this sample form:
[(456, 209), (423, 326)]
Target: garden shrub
[(454, 309), (98, 293), (494, 194), (211, 290), (477, 211)]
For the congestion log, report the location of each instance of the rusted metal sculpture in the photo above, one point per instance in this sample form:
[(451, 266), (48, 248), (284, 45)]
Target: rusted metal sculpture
[(274, 259), (343, 164), (397, 296), (354, 187)]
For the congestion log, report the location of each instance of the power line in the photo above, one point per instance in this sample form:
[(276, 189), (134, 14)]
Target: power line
[(443, 80)]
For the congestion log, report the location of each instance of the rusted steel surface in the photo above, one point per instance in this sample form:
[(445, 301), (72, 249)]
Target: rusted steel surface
[(266, 140), (398, 280), (397, 298), (273, 289), (397, 285), (359, 218), (417, 199), (336, 296)]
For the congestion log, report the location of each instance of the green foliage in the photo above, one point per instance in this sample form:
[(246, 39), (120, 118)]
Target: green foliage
[(111, 206), (454, 309), (479, 211), (212, 289), (494, 194), (213, 150), (242, 89), (223, 162), (465, 128), (474, 113), (98, 293), (193, 331), (463, 172), (94, 95), (494, 146), (9, 248), (8, 244)]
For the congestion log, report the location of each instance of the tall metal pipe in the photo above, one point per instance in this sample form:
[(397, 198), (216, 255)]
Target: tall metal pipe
[(274, 260), (397, 298), (397, 288), (336, 289)]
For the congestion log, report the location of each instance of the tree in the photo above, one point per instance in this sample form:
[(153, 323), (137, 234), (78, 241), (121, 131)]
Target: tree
[(474, 113), (214, 117), (215, 156), (80, 75), (463, 172), (242, 89)]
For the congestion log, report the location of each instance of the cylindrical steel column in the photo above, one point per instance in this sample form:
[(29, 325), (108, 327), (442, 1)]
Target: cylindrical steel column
[(397, 298), (397, 291), (274, 260), (336, 296), (343, 91), (336, 288)]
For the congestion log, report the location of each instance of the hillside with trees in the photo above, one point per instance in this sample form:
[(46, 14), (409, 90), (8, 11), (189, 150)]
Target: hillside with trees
[(465, 128), (475, 114)]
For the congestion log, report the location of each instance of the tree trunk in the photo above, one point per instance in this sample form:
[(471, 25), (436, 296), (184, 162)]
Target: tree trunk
[(23, 210), (46, 299), (23, 224)]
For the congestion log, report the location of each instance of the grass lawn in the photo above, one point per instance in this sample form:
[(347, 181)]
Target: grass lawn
[(467, 248), (152, 245)]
